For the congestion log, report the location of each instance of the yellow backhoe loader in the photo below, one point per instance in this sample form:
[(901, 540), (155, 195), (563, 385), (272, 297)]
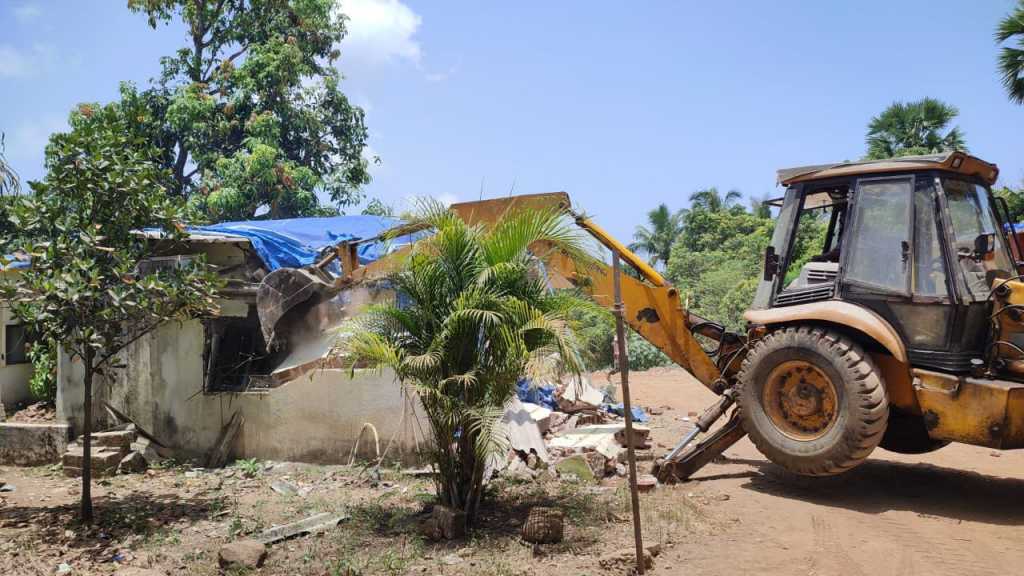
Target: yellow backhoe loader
[(905, 330)]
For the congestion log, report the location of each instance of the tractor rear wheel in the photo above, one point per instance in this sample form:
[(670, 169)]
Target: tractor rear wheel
[(812, 400)]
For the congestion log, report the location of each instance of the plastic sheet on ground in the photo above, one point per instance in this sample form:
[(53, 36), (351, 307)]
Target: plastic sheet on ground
[(619, 409)]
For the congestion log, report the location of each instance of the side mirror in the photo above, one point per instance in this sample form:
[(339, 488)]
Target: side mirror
[(984, 244), (771, 263)]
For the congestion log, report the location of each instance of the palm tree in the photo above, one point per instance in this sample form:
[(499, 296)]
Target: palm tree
[(1011, 60), (8, 177), (711, 200), (657, 240), (914, 128), (477, 315), (759, 207)]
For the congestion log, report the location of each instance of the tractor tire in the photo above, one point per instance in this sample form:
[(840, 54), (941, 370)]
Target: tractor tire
[(906, 434), (812, 400)]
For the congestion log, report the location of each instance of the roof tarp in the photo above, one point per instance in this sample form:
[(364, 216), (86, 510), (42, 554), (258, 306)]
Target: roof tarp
[(297, 242)]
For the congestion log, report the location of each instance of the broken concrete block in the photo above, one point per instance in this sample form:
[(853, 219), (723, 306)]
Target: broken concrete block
[(133, 463), (117, 439), (544, 525), (102, 459), (540, 415), (578, 396), (145, 447), (242, 554)]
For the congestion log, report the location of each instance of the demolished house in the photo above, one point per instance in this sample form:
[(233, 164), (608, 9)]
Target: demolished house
[(188, 384)]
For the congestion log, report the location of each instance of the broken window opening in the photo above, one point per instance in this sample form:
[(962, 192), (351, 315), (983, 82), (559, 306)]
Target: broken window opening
[(235, 357)]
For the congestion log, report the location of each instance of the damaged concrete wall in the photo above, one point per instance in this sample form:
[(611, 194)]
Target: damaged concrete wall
[(314, 418)]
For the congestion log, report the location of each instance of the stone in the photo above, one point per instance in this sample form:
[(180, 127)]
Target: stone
[(63, 568), (544, 525), (576, 465), (133, 463), (242, 554), (646, 482)]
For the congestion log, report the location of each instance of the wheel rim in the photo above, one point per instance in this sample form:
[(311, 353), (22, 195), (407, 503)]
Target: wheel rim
[(800, 400)]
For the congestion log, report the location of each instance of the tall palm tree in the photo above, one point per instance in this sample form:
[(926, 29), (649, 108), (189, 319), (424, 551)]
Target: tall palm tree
[(477, 315), (905, 129), (656, 241), (1011, 59), (711, 200)]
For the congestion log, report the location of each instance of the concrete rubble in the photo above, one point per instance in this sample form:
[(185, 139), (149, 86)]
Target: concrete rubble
[(575, 436)]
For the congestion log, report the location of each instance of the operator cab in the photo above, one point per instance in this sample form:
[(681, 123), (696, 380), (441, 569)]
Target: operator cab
[(918, 240)]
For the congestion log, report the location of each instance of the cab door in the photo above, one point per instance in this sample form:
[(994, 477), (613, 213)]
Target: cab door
[(896, 263)]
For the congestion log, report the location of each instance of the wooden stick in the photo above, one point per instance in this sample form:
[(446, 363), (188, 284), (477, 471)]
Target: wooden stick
[(620, 333)]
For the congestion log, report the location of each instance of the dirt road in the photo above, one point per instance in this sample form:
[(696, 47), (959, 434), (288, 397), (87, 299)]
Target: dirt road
[(954, 511)]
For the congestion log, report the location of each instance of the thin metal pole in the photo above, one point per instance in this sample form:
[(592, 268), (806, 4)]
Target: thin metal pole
[(620, 333)]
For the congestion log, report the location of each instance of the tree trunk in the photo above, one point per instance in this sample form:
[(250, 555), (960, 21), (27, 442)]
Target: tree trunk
[(87, 441)]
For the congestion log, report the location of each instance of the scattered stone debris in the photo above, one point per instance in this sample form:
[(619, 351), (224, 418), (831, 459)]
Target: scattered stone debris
[(544, 525), (38, 412), (247, 554)]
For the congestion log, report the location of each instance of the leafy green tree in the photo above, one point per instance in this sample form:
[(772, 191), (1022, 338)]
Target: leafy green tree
[(716, 261), (906, 129), (657, 240), (377, 207), (1011, 58), (249, 115), (84, 289), (711, 200), (1014, 201), (478, 316)]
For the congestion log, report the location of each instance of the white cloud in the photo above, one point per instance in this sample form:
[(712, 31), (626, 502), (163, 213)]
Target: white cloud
[(12, 62), (27, 11), (16, 62), (380, 31)]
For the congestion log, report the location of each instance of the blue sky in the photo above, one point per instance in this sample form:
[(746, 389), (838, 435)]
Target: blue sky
[(624, 105)]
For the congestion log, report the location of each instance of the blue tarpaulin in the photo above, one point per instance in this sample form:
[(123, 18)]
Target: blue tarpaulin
[(638, 413), (543, 395), (297, 242)]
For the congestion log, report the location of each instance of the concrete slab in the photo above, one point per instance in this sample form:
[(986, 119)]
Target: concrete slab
[(23, 444)]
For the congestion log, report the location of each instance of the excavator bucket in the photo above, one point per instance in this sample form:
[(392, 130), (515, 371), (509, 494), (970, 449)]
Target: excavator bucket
[(290, 301), (286, 298)]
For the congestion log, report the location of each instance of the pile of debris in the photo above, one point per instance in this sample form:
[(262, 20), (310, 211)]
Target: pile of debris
[(121, 450), (570, 430)]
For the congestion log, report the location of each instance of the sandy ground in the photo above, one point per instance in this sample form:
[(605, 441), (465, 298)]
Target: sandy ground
[(955, 511)]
